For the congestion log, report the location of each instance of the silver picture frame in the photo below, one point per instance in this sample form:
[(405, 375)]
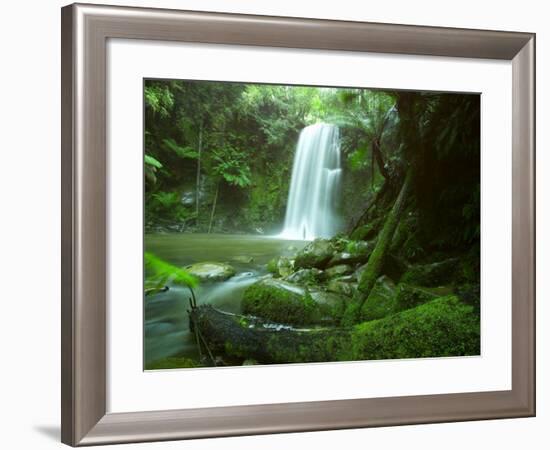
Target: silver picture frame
[(85, 31)]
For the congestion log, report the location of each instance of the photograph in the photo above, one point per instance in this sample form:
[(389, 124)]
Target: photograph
[(298, 224)]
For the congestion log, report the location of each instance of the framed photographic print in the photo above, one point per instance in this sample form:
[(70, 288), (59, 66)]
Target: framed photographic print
[(336, 219)]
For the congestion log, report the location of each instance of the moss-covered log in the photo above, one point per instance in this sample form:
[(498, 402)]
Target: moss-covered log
[(246, 338), (378, 256), (442, 327)]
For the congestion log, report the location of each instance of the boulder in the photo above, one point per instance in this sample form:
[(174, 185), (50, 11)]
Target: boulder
[(343, 286), (282, 302), (211, 271), (442, 327), (280, 266), (338, 271), (355, 252), (305, 276), (315, 254), (285, 266)]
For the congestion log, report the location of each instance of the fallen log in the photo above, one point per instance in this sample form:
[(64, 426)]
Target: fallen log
[(442, 327), (248, 337)]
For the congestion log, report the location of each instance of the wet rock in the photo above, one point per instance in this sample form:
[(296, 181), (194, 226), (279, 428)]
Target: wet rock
[(283, 302), (305, 276), (315, 254), (211, 271), (243, 259), (355, 252), (338, 270), (285, 266), (344, 286)]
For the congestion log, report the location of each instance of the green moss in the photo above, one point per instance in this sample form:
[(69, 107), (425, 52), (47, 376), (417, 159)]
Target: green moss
[(368, 231), (272, 266), (313, 346), (442, 327), (381, 301), (282, 302), (172, 362)]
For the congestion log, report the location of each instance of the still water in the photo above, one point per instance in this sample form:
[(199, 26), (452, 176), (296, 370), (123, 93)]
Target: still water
[(166, 327)]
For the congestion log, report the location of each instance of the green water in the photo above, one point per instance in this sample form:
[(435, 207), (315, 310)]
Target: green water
[(166, 323)]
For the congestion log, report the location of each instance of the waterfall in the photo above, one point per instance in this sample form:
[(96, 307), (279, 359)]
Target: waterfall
[(315, 183)]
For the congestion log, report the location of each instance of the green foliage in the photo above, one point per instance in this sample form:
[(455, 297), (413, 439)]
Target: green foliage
[(150, 167), (232, 166), (160, 273), (272, 266), (182, 152), (159, 98), (150, 161)]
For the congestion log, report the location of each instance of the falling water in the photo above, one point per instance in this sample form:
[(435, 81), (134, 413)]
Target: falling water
[(314, 185)]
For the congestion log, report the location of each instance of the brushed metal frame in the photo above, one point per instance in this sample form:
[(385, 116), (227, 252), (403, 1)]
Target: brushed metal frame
[(85, 30)]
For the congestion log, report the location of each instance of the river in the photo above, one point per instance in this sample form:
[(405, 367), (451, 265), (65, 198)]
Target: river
[(166, 324)]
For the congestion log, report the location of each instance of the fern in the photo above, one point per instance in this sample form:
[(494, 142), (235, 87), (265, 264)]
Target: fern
[(182, 152), (163, 272)]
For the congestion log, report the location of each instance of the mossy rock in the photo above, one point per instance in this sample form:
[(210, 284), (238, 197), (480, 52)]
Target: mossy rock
[(306, 276), (280, 266), (282, 302), (331, 304), (243, 259), (285, 266), (315, 254), (338, 271), (381, 301), (434, 274), (367, 232), (354, 252), (272, 267), (211, 271), (442, 327), (343, 286)]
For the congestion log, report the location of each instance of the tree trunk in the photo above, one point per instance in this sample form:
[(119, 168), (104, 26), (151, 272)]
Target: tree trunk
[(376, 260), (213, 207), (198, 186), (377, 152)]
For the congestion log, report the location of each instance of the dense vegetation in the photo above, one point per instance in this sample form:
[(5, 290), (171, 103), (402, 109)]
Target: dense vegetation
[(402, 277), (218, 156)]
